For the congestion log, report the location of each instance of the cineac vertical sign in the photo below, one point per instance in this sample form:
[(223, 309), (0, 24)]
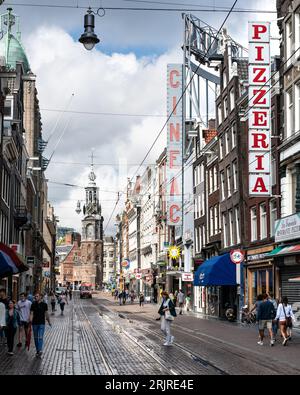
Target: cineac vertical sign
[(174, 145), (259, 109)]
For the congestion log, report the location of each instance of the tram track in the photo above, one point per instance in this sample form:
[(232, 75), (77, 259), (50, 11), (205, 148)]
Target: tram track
[(242, 354), (200, 364)]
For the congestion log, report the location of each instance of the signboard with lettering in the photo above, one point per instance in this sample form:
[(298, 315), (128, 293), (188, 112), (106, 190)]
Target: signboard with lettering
[(259, 109), (174, 144), (287, 228), (187, 277)]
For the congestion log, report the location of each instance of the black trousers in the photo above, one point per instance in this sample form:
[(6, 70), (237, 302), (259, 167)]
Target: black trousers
[(10, 333)]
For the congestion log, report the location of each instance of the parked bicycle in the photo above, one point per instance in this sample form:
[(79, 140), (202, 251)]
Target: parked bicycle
[(247, 316)]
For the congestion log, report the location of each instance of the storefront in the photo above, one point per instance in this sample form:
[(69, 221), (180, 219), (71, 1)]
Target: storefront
[(287, 260), (215, 286), (260, 274)]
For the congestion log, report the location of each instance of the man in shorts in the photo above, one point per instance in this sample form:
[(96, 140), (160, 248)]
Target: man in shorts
[(265, 316), (23, 308)]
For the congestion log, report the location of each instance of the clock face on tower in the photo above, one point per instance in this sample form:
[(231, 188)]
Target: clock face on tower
[(90, 232)]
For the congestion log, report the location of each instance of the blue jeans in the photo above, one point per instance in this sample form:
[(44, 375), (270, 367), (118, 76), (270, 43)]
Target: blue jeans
[(38, 332)]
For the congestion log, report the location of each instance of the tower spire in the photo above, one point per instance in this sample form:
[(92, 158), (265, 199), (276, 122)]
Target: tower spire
[(92, 175)]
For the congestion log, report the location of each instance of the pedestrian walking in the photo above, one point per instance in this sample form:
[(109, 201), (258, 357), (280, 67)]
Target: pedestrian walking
[(175, 298), (62, 301), (141, 299), (3, 301), (124, 295), (2, 323), (181, 299), (12, 319), (265, 316), (38, 316), (286, 317), (275, 322), (23, 308), (53, 302), (70, 294), (116, 294), (167, 313), (188, 302), (120, 297)]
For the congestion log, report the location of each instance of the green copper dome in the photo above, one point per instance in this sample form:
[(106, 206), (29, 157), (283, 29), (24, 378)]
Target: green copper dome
[(13, 51), (10, 46)]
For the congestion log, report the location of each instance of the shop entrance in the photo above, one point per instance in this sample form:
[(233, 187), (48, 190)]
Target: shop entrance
[(261, 281)]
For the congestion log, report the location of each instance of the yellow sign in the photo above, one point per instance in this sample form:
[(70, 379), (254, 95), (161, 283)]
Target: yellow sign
[(174, 252)]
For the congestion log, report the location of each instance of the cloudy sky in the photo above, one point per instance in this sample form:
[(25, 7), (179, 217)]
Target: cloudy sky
[(125, 74)]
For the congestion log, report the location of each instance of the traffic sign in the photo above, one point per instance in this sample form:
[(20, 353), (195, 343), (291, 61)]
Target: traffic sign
[(237, 256)]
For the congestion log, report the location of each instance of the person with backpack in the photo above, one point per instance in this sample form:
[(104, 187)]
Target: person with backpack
[(167, 313), (286, 317)]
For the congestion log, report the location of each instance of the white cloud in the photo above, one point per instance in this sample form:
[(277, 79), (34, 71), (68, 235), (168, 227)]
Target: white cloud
[(117, 84)]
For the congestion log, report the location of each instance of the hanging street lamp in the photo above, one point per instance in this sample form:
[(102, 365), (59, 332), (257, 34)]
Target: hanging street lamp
[(89, 38)]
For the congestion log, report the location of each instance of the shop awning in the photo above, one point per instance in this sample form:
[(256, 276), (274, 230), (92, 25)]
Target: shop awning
[(216, 271), (294, 280), (280, 251), (10, 262)]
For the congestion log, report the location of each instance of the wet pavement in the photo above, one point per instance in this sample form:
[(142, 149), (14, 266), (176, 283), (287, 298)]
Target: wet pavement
[(98, 336)]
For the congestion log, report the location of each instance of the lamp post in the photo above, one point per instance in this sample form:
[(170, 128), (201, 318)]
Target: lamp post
[(89, 38)]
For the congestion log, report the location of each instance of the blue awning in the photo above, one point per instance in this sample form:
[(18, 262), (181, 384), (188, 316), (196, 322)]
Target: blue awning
[(217, 271)]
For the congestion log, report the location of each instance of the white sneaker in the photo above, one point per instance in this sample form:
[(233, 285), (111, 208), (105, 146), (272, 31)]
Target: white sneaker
[(167, 344), (172, 339), (260, 343)]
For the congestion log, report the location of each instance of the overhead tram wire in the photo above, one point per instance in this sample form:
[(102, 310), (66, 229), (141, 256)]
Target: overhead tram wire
[(59, 118), (181, 97), (183, 93), (207, 9)]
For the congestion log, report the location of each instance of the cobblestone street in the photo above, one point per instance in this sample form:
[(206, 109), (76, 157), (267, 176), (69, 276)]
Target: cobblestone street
[(97, 337)]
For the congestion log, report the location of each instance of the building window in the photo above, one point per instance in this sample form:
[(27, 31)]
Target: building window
[(273, 169), (235, 175), (224, 79), (201, 172), (215, 178), (222, 185), (263, 221), (297, 31), (297, 104), (233, 136), (289, 41), (230, 228), (221, 148), (273, 217), (232, 99), (211, 216), (225, 108), (237, 225), (225, 230), (289, 113), (253, 224), (217, 225), (220, 119), (202, 203), (196, 240), (211, 180), (227, 142), (8, 109), (228, 175)]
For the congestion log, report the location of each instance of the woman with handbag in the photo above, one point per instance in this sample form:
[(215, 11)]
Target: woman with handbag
[(167, 312), (285, 316)]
